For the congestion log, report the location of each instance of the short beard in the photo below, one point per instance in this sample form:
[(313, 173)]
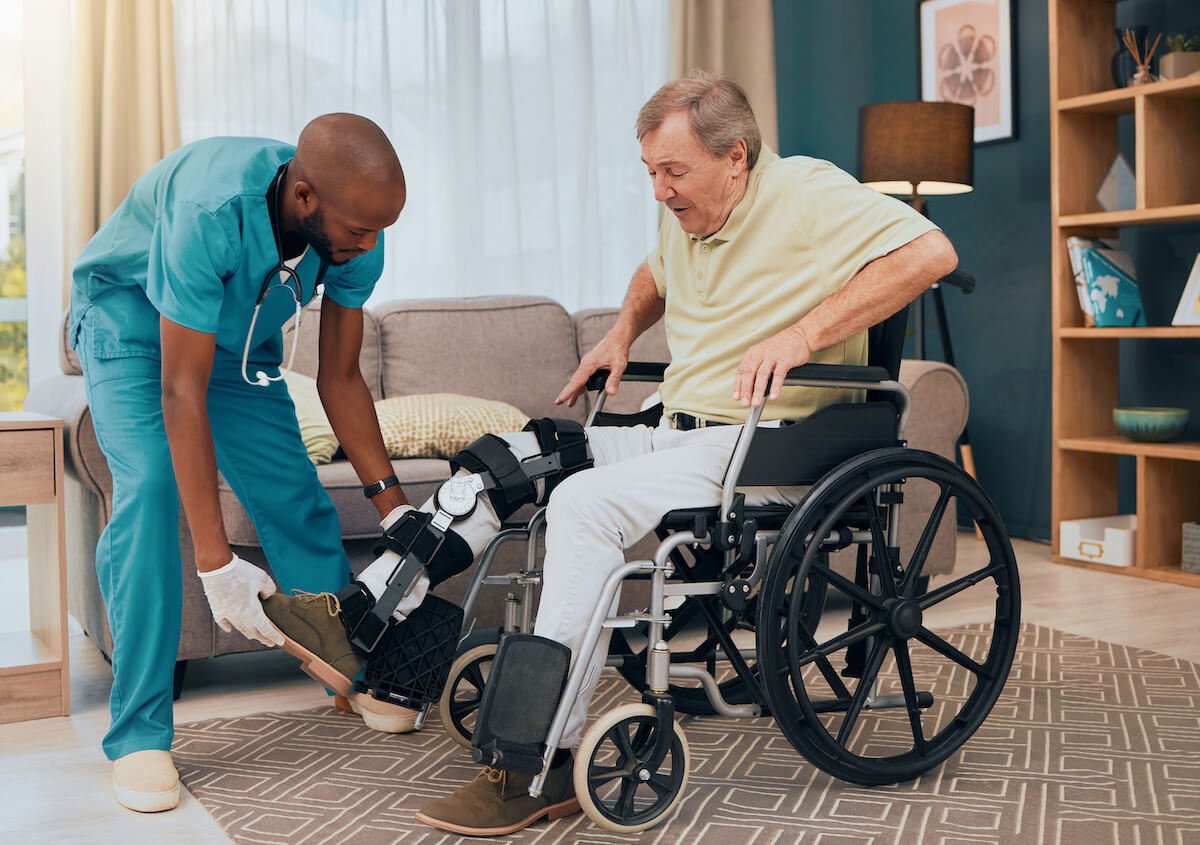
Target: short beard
[(312, 228)]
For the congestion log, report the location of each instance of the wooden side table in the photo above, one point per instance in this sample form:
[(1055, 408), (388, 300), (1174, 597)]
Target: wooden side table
[(34, 677)]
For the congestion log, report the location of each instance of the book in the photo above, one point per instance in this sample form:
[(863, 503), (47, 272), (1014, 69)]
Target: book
[(1112, 287), (1075, 247)]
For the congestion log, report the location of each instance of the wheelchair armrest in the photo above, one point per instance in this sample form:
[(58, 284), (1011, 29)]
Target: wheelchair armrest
[(837, 372), (634, 371)]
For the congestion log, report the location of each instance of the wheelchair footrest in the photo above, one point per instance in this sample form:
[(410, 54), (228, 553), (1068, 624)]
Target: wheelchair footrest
[(519, 701)]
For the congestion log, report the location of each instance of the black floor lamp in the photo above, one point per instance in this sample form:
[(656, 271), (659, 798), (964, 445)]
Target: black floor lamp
[(917, 150)]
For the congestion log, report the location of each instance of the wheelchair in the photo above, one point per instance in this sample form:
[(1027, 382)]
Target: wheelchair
[(748, 616)]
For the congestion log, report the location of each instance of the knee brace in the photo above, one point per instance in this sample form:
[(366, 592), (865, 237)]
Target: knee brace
[(519, 700), (510, 483), (412, 660)]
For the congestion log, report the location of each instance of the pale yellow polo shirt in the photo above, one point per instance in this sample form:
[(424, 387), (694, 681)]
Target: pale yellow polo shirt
[(802, 231)]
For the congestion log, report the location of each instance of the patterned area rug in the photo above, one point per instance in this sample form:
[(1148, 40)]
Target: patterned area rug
[(1091, 743)]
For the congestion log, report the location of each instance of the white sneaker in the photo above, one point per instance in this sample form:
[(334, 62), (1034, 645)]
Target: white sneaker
[(146, 781), (378, 715)]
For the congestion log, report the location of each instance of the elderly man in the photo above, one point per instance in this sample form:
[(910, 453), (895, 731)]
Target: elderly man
[(176, 309), (763, 264)]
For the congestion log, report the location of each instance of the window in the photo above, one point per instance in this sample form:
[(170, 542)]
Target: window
[(514, 123), (14, 357)]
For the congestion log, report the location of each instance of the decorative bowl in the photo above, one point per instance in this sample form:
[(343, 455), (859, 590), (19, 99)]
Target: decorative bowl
[(1153, 425)]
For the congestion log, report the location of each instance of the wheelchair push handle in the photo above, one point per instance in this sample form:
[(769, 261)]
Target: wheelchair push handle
[(960, 279)]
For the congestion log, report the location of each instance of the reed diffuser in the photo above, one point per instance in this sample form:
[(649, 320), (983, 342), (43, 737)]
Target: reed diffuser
[(1143, 75)]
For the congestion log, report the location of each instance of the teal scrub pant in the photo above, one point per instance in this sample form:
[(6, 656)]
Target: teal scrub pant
[(260, 454)]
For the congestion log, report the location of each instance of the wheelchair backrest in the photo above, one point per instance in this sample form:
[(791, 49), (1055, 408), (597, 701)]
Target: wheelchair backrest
[(885, 342)]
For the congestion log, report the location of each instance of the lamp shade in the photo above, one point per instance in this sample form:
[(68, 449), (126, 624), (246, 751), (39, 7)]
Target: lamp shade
[(916, 147)]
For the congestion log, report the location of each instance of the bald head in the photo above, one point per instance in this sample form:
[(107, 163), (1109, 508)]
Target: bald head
[(344, 183)]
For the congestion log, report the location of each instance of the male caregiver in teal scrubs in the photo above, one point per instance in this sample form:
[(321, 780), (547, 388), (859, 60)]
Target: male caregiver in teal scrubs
[(162, 304)]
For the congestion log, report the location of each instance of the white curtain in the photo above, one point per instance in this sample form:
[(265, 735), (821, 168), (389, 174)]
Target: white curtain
[(514, 122)]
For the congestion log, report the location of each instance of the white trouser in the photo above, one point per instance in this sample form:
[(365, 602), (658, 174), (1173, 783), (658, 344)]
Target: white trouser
[(641, 473)]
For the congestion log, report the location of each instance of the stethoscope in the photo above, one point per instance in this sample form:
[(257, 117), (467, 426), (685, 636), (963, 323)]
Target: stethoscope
[(279, 277)]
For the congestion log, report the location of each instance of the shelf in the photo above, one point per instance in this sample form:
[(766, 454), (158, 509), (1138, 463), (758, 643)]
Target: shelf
[(1122, 100), (1170, 574), (1115, 444), (1133, 217), (1138, 333), (21, 651)]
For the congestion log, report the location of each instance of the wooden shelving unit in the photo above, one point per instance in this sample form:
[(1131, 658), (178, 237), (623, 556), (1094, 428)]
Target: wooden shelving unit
[(1085, 111)]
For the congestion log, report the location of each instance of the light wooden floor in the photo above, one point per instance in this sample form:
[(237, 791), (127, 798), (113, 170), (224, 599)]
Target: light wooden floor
[(54, 780)]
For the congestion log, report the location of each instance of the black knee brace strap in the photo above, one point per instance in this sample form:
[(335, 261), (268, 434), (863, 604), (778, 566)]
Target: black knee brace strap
[(489, 456), (564, 441)]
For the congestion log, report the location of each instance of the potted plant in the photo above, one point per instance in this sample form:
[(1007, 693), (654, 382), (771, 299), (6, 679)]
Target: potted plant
[(1184, 58)]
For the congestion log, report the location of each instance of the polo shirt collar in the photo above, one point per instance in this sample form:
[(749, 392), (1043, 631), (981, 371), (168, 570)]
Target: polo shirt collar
[(737, 217)]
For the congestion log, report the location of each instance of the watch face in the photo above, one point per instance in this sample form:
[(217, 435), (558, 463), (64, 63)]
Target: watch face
[(456, 497)]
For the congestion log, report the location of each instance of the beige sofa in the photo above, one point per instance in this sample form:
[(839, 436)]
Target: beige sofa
[(517, 349)]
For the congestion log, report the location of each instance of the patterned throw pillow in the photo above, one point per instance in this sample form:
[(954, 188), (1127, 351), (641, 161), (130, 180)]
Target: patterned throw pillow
[(315, 431), (439, 425)]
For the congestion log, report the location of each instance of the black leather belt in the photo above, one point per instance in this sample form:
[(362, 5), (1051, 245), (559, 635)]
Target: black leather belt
[(686, 422)]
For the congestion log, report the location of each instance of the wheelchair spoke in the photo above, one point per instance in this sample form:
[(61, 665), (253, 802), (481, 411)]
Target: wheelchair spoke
[(600, 775), (474, 676), (917, 563), (661, 786), (625, 802), (879, 545), (851, 589), (621, 740), (955, 587), (904, 669), (841, 641), (870, 672), (836, 685), (950, 652), (461, 709)]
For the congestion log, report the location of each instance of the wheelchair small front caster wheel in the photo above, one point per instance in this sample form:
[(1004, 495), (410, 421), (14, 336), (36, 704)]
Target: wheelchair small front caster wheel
[(614, 787), (464, 691)]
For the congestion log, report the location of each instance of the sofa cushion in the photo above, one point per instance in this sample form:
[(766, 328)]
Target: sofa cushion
[(440, 425), (306, 351), (518, 349), (319, 440), (590, 327)]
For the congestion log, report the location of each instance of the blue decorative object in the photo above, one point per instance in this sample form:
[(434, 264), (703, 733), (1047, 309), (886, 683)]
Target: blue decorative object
[(1112, 288), (1151, 425)]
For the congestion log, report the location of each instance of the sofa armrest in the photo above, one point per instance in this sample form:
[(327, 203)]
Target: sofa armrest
[(64, 396), (940, 405)]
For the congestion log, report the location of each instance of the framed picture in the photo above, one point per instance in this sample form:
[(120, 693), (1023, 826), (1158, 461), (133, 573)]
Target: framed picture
[(1188, 312), (966, 56)]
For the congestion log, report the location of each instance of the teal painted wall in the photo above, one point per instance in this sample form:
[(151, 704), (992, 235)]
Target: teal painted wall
[(832, 58)]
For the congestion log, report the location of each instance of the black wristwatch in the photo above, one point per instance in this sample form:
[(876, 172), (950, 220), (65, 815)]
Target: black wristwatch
[(373, 490)]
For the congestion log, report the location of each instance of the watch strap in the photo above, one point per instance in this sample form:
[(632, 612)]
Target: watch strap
[(373, 490)]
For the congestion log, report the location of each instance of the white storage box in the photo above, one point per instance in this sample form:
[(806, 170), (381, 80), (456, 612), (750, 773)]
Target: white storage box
[(1191, 547), (1102, 539)]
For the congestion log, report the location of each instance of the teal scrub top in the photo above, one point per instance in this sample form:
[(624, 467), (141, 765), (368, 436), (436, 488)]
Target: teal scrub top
[(193, 242)]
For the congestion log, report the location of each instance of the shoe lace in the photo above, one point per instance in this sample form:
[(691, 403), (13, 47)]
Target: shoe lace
[(332, 605), (495, 775)]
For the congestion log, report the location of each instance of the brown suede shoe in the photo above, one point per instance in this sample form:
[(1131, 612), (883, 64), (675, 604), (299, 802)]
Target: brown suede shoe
[(498, 802), (313, 632)]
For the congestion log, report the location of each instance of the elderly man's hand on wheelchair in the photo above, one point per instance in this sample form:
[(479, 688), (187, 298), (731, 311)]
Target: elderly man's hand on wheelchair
[(612, 354), (766, 364)]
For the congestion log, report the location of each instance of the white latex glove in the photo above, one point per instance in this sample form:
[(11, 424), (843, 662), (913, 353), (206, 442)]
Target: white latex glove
[(235, 593), (375, 576)]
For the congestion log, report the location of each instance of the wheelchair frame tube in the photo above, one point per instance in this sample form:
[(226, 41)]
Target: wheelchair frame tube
[(658, 574), (485, 564)]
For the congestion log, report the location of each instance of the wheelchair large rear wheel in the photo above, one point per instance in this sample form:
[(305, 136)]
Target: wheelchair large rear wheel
[(897, 675)]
